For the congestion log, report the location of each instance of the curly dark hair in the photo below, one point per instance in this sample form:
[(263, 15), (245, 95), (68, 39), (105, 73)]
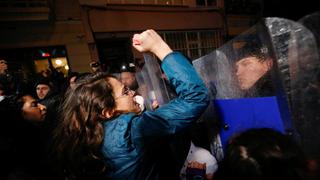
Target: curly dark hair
[(79, 134)]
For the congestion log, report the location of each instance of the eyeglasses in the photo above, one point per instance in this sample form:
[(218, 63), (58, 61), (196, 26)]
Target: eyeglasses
[(126, 91)]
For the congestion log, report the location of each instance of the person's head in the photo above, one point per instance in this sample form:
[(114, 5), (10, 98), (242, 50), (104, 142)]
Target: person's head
[(95, 66), (96, 98), (3, 66), (25, 107), (129, 80), (32, 110), (261, 154), (46, 73), (100, 95), (128, 77), (43, 87), (250, 69)]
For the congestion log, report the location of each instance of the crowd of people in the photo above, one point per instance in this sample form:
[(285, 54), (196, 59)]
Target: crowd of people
[(93, 127)]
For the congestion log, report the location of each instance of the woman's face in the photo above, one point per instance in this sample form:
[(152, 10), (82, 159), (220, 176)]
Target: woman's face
[(124, 97), (33, 111)]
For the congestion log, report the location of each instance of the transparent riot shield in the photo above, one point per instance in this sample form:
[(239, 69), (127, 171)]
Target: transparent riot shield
[(299, 64), (152, 86), (253, 75), (305, 86), (312, 22)]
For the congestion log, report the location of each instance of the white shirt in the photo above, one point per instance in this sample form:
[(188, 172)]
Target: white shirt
[(200, 155)]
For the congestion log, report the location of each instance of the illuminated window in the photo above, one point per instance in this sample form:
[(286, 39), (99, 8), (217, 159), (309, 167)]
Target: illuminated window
[(30, 61), (55, 55), (58, 63)]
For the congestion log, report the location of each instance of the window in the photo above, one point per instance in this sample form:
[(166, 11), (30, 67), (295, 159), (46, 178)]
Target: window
[(23, 3), (249, 7), (36, 60), (158, 2), (194, 44), (206, 2)]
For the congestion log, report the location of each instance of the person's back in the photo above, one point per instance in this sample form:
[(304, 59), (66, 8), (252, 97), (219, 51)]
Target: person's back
[(262, 154)]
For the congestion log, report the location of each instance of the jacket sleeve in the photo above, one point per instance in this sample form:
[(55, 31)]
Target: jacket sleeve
[(190, 103)]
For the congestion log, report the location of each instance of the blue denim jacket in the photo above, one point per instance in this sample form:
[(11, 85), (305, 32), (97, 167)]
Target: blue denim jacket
[(130, 140)]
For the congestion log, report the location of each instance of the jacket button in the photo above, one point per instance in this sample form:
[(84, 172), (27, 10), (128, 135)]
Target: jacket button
[(226, 126)]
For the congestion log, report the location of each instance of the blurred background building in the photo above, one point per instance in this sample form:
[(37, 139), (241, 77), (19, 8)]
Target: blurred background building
[(70, 34)]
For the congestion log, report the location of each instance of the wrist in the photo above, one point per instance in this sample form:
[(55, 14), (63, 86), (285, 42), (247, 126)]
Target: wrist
[(161, 50)]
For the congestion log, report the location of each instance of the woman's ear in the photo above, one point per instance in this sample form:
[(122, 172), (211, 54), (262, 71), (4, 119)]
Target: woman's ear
[(108, 113)]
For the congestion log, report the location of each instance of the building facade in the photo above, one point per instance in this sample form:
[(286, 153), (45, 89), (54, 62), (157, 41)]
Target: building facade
[(74, 32)]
